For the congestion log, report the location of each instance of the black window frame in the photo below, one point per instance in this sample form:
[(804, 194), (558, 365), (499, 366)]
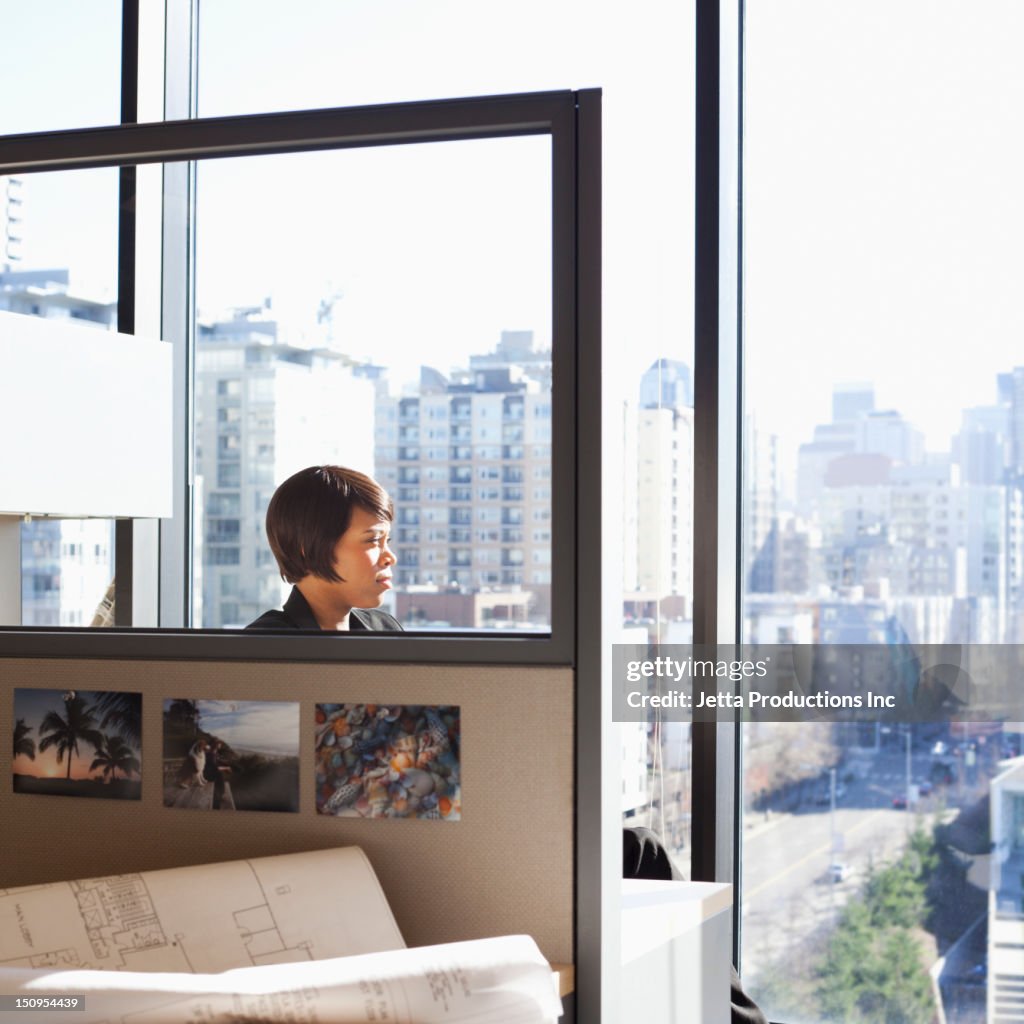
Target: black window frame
[(181, 143)]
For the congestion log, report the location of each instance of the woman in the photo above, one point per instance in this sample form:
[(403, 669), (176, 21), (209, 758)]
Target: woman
[(329, 528)]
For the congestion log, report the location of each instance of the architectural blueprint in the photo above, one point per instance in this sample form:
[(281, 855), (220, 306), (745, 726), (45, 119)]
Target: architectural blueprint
[(487, 981), (204, 919)]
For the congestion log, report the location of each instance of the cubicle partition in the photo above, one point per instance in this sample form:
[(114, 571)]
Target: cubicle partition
[(505, 867)]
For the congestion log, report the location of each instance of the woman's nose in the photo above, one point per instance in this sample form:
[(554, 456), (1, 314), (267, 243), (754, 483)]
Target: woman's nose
[(388, 556)]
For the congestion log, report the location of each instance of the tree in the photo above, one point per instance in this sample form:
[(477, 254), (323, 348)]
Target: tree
[(904, 989), (78, 723), (122, 712), (22, 743), (186, 714), (895, 896), (873, 971), (113, 756), (842, 971)]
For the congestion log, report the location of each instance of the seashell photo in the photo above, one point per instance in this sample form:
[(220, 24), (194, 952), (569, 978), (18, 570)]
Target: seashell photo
[(388, 761)]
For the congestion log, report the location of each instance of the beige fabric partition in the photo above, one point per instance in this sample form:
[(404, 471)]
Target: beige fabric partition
[(506, 867)]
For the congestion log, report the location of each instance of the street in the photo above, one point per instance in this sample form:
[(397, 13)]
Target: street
[(789, 899)]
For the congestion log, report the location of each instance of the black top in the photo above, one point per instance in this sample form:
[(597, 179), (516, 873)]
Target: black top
[(211, 769), (298, 615)]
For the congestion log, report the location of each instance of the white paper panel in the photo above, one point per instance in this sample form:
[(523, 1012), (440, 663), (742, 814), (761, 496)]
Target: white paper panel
[(85, 421)]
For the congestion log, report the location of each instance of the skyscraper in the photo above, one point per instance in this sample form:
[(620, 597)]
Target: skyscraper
[(264, 409), (468, 458)]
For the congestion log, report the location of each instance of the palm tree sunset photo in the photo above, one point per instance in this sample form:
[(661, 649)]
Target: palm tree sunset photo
[(78, 743)]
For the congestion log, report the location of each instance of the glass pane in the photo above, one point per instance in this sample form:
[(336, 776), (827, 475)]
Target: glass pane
[(882, 495), (62, 60), (60, 263), (360, 52), (397, 321)]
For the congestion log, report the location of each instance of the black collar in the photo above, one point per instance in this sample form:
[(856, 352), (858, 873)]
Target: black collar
[(298, 612)]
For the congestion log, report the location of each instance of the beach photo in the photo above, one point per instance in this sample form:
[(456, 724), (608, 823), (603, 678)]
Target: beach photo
[(388, 761), (222, 755), (78, 743)]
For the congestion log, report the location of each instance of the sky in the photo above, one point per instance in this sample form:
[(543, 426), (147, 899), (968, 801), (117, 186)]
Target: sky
[(431, 250), (881, 204), (470, 260), (266, 727)]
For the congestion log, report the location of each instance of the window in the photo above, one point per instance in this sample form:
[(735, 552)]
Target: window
[(263, 350), (86, 91), (58, 238), (867, 244)]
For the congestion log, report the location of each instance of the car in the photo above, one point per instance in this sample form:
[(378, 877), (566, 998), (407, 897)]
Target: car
[(838, 872), (924, 788), (900, 802)]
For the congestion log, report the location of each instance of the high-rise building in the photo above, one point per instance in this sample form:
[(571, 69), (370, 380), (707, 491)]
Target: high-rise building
[(467, 458), (852, 401), (923, 533), (667, 384), (264, 409), (761, 505), (657, 499), (10, 237), (665, 507), (1011, 386), (982, 447), (1006, 888)]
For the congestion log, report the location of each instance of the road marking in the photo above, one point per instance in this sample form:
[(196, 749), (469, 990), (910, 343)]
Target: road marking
[(749, 894)]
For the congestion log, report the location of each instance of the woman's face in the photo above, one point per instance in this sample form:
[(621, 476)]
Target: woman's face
[(363, 560)]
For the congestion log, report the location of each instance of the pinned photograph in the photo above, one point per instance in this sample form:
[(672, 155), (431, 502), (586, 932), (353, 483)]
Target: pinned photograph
[(388, 761), (222, 755), (78, 743)]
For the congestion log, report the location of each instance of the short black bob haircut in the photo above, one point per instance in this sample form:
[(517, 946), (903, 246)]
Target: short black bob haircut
[(311, 510)]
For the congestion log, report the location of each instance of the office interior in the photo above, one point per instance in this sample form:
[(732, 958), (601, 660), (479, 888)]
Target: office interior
[(677, 325)]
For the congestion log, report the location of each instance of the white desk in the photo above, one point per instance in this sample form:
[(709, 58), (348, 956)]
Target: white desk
[(676, 952)]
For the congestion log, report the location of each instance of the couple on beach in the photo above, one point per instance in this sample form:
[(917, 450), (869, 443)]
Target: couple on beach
[(203, 764)]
